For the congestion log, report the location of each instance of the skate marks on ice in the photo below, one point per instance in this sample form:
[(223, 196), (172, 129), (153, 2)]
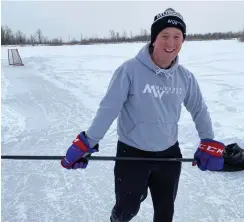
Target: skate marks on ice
[(83, 81), (45, 194), (214, 196), (209, 196), (50, 113), (13, 123), (219, 70), (38, 193)]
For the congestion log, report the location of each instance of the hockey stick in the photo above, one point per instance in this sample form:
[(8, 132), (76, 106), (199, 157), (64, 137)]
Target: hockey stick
[(103, 158)]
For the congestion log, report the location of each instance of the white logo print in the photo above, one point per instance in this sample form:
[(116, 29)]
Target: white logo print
[(211, 149), (174, 22), (159, 91), (168, 12)]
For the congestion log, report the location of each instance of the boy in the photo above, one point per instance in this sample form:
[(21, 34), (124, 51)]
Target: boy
[(146, 93)]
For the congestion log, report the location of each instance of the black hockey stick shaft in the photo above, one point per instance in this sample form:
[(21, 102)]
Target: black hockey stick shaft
[(102, 158)]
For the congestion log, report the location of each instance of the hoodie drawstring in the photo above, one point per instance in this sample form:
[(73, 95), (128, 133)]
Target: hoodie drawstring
[(162, 71)]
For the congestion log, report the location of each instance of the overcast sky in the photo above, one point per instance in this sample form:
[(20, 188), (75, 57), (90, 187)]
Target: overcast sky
[(69, 19)]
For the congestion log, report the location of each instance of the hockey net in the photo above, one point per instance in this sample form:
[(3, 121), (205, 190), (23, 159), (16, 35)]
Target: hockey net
[(14, 57)]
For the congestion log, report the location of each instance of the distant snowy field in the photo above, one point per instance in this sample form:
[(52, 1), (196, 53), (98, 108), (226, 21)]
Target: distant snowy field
[(55, 96)]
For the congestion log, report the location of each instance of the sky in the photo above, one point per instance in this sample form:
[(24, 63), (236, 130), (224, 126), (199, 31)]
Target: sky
[(73, 19)]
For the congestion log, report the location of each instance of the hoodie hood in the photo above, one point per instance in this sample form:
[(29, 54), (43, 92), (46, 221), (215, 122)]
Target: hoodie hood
[(144, 57)]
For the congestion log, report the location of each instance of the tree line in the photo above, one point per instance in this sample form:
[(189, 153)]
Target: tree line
[(8, 37)]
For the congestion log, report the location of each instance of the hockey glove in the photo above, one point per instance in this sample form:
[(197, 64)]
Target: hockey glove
[(79, 149), (209, 155)]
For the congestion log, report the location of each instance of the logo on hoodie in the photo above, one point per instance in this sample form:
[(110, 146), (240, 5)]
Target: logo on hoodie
[(159, 91)]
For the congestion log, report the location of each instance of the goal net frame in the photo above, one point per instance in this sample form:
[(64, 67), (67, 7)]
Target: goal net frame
[(14, 58)]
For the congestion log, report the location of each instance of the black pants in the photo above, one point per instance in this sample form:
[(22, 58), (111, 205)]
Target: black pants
[(133, 178)]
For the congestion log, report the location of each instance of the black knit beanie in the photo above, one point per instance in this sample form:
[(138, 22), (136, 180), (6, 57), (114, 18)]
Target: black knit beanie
[(169, 18)]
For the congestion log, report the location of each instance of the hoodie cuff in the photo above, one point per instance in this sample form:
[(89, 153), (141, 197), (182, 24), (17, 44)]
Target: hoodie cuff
[(92, 142)]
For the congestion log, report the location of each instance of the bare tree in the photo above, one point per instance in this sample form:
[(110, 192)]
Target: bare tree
[(39, 36), (3, 35), (112, 34), (56, 41), (144, 33), (45, 40), (124, 35), (20, 37), (117, 35), (241, 39), (9, 36), (32, 40), (74, 41)]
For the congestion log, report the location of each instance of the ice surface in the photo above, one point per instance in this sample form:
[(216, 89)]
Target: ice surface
[(55, 96)]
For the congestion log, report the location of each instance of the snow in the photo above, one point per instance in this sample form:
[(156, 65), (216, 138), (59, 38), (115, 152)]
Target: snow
[(55, 96)]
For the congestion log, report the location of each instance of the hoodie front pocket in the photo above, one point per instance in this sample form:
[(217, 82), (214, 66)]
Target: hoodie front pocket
[(153, 133)]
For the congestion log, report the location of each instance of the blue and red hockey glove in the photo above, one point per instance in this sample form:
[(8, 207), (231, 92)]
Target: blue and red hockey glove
[(209, 155), (76, 153)]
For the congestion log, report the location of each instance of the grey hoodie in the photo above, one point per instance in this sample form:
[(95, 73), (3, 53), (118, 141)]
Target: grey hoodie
[(147, 101)]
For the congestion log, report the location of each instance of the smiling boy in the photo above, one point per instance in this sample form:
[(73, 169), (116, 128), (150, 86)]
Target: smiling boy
[(146, 94)]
